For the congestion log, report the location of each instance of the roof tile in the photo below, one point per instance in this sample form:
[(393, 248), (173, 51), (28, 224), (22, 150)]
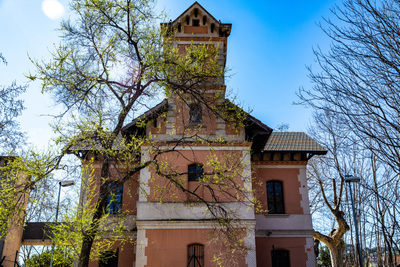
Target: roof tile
[(292, 141)]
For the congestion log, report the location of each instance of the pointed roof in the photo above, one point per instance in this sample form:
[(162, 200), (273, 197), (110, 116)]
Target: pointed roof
[(255, 130), (193, 6), (263, 137), (148, 115), (226, 27)]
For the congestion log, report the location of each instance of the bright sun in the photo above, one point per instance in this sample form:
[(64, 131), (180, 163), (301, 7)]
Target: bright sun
[(53, 9)]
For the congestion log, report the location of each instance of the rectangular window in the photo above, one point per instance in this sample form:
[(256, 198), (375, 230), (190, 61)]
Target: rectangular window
[(195, 113), (114, 200), (195, 172), (275, 197)]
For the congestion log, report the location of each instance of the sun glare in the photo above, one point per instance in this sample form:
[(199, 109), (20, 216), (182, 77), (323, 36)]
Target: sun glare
[(53, 9)]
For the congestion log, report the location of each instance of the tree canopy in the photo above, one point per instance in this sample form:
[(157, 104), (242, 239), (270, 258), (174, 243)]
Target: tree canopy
[(355, 97), (10, 108), (358, 79), (113, 61)]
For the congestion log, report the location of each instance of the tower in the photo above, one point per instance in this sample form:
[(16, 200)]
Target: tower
[(176, 226)]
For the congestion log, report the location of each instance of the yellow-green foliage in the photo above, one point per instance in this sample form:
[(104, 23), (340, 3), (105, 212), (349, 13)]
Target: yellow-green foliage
[(112, 62), (109, 230), (62, 257), (20, 175)]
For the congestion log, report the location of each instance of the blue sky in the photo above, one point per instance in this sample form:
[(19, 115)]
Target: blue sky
[(268, 50)]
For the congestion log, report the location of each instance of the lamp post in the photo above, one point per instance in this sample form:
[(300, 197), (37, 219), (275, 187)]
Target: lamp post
[(350, 179), (60, 184)]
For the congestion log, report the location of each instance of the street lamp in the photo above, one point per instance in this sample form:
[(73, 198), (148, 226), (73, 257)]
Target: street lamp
[(60, 184), (351, 179)]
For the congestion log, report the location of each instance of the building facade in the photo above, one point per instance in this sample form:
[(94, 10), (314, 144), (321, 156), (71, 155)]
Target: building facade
[(262, 178), (227, 184)]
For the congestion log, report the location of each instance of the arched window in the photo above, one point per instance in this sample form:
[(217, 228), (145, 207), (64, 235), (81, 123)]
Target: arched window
[(195, 113), (275, 197), (195, 255), (195, 172), (280, 258)]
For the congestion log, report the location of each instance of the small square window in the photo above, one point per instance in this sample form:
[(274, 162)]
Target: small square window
[(196, 22), (195, 172)]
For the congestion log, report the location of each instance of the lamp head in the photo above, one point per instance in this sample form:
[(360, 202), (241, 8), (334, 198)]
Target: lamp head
[(67, 183), (351, 178)]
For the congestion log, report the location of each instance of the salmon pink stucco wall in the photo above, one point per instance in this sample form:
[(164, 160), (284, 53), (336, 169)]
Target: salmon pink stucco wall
[(196, 30), (130, 195), (291, 185), (168, 247), (126, 254), (295, 245), (161, 189), (130, 188), (208, 122)]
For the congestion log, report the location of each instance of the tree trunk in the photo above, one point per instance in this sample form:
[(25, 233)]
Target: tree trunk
[(90, 234), (334, 240), (316, 248), (85, 252), (337, 254)]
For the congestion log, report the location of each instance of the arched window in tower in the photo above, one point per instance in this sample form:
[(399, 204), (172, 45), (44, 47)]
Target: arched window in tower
[(195, 113), (195, 255), (275, 197)]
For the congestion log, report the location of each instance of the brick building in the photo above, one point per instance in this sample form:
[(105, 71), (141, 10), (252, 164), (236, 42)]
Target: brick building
[(176, 230), (168, 226)]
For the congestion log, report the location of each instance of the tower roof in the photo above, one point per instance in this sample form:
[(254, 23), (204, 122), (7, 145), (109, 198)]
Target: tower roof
[(190, 10), (197, 12)]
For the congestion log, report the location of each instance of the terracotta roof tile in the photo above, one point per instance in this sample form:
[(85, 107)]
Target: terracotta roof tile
[(292, 141)]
